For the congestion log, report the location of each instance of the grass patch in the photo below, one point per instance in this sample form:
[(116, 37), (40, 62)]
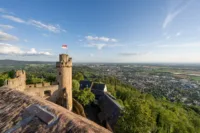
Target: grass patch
[(195, 78)]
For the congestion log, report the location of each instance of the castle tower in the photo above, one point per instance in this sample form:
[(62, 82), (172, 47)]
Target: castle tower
[(64, 77), (21, 75), (19, 82)]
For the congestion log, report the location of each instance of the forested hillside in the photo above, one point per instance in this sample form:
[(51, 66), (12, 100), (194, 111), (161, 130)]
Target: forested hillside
[(142, 112)]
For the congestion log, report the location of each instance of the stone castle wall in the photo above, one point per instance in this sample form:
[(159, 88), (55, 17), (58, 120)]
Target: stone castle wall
[(19, 82), (52, 92), (47, 92), (44, 90), (44, 84)]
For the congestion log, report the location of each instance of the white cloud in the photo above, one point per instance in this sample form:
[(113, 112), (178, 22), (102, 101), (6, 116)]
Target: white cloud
[(90, 38), (7, 37), (38, 24), (13, 18), (49, 27), (6, 27), (175, 12), (25, 40), (113, 40), (170, 17), (100, 46), (33, 51), (100, 42), (8, 49), (104, 39)]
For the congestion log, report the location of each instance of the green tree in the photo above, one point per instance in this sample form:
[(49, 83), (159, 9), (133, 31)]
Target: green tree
[(11, 73), (136, 118), (3, 76), (75, 84), (1, 82), (50, 78), (78, 76), (85, 96), (34, 80)]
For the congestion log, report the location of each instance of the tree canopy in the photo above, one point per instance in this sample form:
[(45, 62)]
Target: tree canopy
[(75, 84), (143, 113), (85, 96), (6, 75), (78, 76)]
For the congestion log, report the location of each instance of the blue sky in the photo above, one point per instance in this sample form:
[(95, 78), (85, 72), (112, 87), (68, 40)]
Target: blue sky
[(101, 30)]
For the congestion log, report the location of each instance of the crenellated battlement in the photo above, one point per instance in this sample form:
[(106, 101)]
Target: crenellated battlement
[(38, 85), (19, 82), (19, 73), (64, 64), (64, 61), (63, 57)]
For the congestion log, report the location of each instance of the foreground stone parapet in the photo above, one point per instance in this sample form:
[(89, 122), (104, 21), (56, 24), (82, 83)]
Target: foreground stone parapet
[(13, 103)]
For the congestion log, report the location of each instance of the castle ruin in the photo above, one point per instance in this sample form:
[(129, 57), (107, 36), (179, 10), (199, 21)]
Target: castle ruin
[(19, 82), (62, 90)]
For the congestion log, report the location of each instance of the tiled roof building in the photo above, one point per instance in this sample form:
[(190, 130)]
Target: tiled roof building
[(110, 108), (99, 86), (85, 84)]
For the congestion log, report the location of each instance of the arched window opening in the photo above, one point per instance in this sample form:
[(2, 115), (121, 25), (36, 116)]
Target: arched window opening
[(47, 93)]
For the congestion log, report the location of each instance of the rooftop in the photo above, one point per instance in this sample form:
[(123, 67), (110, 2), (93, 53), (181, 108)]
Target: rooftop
[(14, 103), (98, 86), (85, 84)]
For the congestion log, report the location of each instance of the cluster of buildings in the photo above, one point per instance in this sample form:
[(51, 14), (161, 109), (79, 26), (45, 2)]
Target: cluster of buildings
[(110, 109), (153, 80)]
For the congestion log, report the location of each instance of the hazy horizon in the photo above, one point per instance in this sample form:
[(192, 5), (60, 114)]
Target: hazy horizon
[(148, 63)]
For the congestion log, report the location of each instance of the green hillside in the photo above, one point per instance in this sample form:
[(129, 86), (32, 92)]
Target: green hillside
[(142, 112)]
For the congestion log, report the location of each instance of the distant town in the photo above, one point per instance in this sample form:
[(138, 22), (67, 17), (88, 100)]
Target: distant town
[(175, 82)]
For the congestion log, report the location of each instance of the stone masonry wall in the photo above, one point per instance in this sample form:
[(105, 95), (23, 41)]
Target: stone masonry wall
[(44, 84), (40, 92), (19, 82), (64, 78)]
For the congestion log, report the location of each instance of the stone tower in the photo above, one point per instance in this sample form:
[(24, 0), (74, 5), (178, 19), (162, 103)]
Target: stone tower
[(64, 78), (19, 82)]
